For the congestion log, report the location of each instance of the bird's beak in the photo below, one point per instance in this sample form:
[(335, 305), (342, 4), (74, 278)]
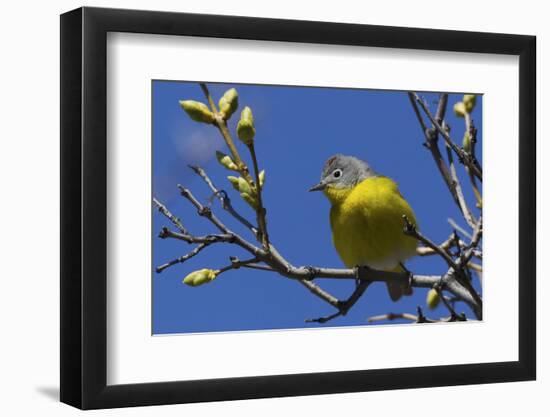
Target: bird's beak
[(319, 187)]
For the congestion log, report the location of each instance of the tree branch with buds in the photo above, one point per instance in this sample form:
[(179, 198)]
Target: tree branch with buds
[(265, 257)]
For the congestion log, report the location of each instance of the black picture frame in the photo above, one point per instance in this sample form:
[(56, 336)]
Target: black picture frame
[(84, 207)]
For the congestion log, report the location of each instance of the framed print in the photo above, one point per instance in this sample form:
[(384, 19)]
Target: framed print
[(257, 208)]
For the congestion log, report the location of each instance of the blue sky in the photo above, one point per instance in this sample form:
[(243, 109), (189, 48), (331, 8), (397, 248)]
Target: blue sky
[(298, 128)]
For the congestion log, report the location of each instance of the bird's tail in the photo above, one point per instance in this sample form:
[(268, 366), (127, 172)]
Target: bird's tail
[(397, 289)]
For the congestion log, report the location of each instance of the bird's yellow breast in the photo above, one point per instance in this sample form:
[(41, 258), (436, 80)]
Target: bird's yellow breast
[(367, 224)]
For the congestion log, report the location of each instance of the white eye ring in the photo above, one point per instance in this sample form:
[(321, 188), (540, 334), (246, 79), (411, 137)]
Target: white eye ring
[(337, 173)]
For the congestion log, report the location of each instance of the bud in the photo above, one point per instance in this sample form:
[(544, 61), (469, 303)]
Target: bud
[(197, 111), (245, 127), (469, 101), (459, 109), (244, 187), (261, 175), (226, 161), (229, 103), (432, 299), (467, 142), (234, 182), (202, 276), (252, 202)]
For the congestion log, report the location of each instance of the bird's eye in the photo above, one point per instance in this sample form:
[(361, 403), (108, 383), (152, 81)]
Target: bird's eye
[(337, 173)]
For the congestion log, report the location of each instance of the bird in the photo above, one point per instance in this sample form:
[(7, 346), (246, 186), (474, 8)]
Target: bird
[(366, 218)]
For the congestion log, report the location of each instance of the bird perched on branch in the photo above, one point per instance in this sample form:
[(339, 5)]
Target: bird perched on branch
[(366, 218)]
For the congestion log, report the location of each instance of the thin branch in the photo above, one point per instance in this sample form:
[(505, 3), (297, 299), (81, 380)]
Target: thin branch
[(260, 210), (224, 199), (466, 213), (472, 132), (221, 124), (395, 316), (462, 155), (345, 306), (319, 292), (236, 263), (260, 267), (411, 230), (445, 246), (431, 143), (475, 267), (183, 258), (454, 315), (206, 212), (213, 238), (162, 208), (448, 173), (456, 226)]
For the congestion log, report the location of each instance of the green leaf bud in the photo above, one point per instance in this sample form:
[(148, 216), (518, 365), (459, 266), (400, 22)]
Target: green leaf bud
[(202, 276), (459, 109), (469, 101), (228, 103), (226, 161), (197, 111), (432, 299), (261, 175), (245, 127), (244, 187), (234, 182)]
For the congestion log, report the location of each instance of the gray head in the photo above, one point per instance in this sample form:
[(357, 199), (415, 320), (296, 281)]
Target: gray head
[(341, 171)]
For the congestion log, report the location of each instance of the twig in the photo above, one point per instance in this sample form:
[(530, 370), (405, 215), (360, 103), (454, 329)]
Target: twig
[(411, 230), (221, 124), (427, 251), (213, 238), (236, 264), (466, 213), (224, 199), (183, 258), (260, 211), (162, 208), (462, 155), (431, 143), (448, 173), (446, 303), (392, 316), (456, 226), (344, 307), (472, 132)]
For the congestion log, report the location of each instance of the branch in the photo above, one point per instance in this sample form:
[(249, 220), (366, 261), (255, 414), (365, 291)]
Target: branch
[(224, 199), (183, 258), (463, 156), (260, 211), (411, 230), (431, 143), (472, 132), (162, 208), (431, 135), (344, 307), (466, 213), (271, 260), (221, 124), (447, 304), (397, 316)]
